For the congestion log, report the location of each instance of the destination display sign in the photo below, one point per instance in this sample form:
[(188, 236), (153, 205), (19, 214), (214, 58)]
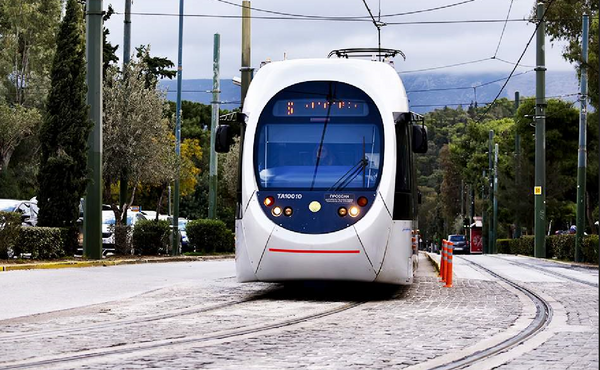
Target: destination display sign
[(320, 108)]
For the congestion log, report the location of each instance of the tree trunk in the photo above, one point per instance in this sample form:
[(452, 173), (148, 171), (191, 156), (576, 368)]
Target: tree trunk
[(160, 199)]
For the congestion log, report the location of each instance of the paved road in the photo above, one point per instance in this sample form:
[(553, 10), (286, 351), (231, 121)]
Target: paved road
[(37, 291), (418, 327)]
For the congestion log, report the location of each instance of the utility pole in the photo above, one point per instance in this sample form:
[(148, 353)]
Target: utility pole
[(517, 233), (483, 214), (126, 58), (540, 138), (495, 221), (175, 238), (92, 220), (491, 236), (246, 60), (212, 183), (582, 155)]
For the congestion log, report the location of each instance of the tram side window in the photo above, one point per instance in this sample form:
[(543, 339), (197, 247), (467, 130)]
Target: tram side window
[(403, 175)]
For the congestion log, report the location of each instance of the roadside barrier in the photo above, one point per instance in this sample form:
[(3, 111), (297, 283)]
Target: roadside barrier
[(443, 262), (448, 269)]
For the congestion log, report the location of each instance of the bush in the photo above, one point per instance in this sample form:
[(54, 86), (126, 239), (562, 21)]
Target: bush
[(210, 236), (561, 246), (523, 245), (589, 248), (503, 246), (41, 242), (151, 237), (10, 225)]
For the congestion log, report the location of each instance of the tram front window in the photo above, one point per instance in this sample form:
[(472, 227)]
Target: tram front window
[(319, 135), (294, 156)]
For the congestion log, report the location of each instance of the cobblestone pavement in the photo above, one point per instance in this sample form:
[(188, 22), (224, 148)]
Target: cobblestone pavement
[(573, 334), (395, 327)]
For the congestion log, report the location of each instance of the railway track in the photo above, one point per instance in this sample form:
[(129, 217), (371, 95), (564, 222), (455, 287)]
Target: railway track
[(541, 320), (550, 273), (173, 342), (9, 337)]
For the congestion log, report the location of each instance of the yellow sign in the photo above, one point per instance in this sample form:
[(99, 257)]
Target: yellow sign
[(537, 190)]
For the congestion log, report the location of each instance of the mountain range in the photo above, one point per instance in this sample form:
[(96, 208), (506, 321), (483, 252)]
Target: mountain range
[(426, 92)]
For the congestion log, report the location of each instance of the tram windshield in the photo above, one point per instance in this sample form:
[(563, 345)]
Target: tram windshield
[(319, 136)]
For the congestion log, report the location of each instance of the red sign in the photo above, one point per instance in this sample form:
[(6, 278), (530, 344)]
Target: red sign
[(476, 242)]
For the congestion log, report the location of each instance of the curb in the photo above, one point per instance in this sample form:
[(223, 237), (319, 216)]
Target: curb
[(106, 263), (435, 263)]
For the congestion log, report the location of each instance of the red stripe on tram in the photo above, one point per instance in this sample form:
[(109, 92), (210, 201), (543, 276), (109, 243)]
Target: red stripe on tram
[(311, 251)]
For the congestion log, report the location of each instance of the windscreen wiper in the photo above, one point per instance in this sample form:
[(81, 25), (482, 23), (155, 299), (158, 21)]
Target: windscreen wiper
[(350, 175), (330, 98)]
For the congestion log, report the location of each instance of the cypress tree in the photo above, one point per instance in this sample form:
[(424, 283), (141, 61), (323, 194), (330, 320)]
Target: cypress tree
[(66, 126)]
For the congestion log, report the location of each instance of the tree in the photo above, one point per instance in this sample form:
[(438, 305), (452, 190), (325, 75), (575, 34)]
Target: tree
[(564, 22), (137, 137), (109, 52), (27, 42), (15, 124), (156, 67), (63, 169)]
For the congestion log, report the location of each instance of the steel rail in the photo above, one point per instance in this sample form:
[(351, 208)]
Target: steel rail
[(129, 349), (542, 318), (135, 321)]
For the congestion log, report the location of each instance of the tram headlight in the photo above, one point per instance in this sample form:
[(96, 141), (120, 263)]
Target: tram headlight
[(314, 206), (354, 211), (362, 201), (276, 211), (268, 201), (288, 211), (342, 212)]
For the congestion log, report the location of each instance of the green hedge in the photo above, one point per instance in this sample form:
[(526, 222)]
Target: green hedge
[(42, 242), (10, 225), (151, 237), (561, 247), (503, 245), (210, 236), (590, 248)]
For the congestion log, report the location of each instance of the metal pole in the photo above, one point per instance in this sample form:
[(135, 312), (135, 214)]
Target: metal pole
[(517, 233), (126, 57), (582, 155), (540, 139), (246, 69), (212, 184), (175, 238), (495, 220), (483, 214), (92, 237), (491, 236)]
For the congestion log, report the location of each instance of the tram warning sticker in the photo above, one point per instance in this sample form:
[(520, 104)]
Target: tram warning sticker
[(537, 190), (339, 198)]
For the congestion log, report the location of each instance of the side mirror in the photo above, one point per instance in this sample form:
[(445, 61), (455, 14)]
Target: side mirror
[(419, 139), (222, 139)]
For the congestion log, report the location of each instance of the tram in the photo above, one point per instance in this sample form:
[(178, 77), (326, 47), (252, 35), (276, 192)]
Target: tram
[(327, 181)]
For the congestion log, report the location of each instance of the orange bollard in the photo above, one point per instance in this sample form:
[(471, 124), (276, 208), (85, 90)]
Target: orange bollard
[(443, 261), (449, 266)]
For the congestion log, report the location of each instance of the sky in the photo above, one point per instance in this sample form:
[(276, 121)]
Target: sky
[(425, 45)]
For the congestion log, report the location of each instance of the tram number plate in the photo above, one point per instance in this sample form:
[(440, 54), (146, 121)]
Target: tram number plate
[(289, 196), (339, 198)]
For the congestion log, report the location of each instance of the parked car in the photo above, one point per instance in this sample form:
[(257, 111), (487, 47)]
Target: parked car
[(459, 243), (27, 208)]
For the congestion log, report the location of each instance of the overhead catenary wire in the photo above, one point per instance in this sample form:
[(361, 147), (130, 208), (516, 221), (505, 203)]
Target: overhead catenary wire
[(466, 87), (485, 103), (327, 19), (503, 28), (521, 57), (348, 17)]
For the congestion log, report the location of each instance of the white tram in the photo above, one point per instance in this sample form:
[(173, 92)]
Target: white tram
[(328, 187)]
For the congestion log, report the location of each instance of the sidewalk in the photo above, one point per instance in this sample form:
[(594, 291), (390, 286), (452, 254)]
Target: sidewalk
[(112, 261)]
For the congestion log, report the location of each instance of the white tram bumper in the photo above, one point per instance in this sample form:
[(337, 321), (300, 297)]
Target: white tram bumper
[(374, 249)]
